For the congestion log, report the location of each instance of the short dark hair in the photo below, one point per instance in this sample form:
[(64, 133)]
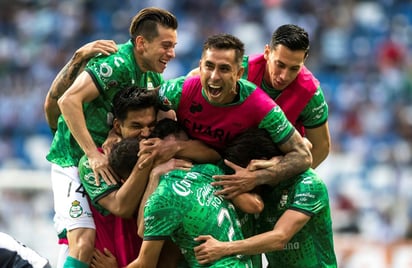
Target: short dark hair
[(123, 156), (225, 42), (145, 22), (291, 36), (166, 127), (134, 99), (254, 143)]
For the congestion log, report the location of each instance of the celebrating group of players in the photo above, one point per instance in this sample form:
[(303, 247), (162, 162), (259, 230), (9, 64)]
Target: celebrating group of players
[(211, 169)]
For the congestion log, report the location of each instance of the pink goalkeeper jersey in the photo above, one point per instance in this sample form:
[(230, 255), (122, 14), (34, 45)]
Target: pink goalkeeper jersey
[(215, 125), (294, 97), (117, 235)]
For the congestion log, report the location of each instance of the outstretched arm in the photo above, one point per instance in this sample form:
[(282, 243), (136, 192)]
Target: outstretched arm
[(286, 227), (68, 74)]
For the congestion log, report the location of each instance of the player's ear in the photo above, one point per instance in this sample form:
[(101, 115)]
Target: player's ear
[(139, 42), (116, 126)]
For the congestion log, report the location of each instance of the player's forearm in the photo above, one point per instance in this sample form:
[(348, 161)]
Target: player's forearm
[(197, 151), (265, 242), (128, 197), (296, 160), (249, 203), (319, 152), (61, 83), (72, 111)]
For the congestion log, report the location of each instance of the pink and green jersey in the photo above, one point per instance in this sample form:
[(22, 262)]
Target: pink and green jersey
[(302, 101), (217, 124)]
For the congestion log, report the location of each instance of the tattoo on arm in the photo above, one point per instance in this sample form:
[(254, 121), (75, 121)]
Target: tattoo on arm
[(66, 77)]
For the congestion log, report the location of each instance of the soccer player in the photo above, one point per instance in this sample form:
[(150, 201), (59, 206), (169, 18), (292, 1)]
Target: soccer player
[(295, 225), (114, 205), (218, 105), (183, 204), (82, 127), (68, 74), (281, 73)]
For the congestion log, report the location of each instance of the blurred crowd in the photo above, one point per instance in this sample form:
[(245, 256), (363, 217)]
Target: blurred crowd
[(360, 52)]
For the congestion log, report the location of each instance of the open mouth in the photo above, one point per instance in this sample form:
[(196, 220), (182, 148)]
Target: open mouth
[(214, 90)]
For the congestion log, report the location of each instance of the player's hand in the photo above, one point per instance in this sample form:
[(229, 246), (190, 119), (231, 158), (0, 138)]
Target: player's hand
[(210, 250), (103, 260), (99, 163), (89, 50), (160, 150), (242, 181), (263, 164)]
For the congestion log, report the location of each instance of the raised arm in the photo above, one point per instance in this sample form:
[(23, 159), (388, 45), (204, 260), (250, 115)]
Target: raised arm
[(68, 74), (81, 91)]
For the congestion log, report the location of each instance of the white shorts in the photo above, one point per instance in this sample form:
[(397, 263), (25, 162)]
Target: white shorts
[(71, 206)]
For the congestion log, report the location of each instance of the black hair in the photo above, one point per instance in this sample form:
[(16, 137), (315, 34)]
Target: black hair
[(254, 143), (226, 42), (291, 36), (145, 22), (123, 156), (166, 127), (134, 99)]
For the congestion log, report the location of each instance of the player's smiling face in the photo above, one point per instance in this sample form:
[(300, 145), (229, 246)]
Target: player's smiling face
[(138, 124), (283, 66), (159, 51), (219, 73)]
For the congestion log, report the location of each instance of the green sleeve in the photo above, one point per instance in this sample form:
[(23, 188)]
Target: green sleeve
[(278, 126), (316, 111), (95, 192), (170, 92)]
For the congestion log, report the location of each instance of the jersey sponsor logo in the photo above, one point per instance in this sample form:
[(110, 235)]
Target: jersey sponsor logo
[(75, 210), (292, 246), (205, 197), (204, 130), (182, 187)]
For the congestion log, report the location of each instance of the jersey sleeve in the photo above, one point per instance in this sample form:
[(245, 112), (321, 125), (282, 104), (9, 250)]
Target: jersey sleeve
[(95, 192), (278, 126), (316, 111), (161, 216), (311, 194), (170, 93)]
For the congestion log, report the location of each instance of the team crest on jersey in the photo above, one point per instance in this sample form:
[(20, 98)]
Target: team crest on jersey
[(195, 107), (283, 200), (150, 84), (75, 210)]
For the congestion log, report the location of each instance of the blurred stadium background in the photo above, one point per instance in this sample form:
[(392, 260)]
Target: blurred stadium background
[(360, 51)]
